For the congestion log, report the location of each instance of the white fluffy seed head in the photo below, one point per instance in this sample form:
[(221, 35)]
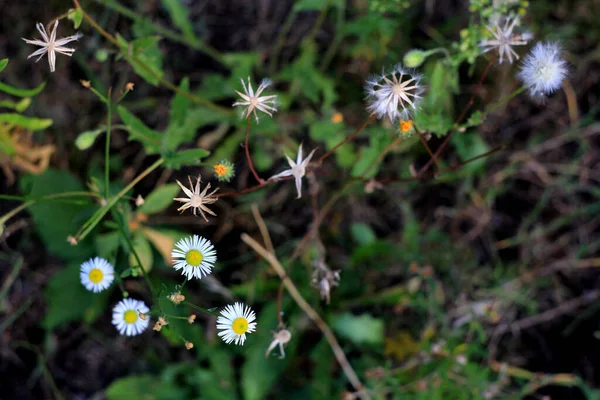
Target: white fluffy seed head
[(395, 95), (543, 70)]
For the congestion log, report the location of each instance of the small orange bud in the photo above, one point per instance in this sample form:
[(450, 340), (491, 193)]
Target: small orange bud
[(405, 126), (337, 118)]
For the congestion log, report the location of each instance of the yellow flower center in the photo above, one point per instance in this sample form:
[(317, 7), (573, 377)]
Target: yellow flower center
[(96, 275), (130, 316), (405, 126), (240, 325), (220, 169), (193, 258)]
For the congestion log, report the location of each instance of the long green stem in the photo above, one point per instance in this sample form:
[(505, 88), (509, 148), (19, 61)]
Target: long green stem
[(503, 100), (125, 235), (31, 201), (107, 147), (97, 217), (204, 310)]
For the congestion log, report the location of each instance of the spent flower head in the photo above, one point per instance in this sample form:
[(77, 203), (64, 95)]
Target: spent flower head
[(234, 322), (49, 44), (197, 200), (297, 169), (504, 38), (543, 70), (280, 338), (254, 101), (195, 256), (395, 94)]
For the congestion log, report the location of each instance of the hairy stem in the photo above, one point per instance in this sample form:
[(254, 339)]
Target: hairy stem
[(250, 164)]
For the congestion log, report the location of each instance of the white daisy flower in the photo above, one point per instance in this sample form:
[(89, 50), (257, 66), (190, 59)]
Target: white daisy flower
[(51, 45), (543, 70), (234, 322), (195, 255), (126, 317), (96, 274), (254, 101), (504, 39), (297, 169), (396, 96)]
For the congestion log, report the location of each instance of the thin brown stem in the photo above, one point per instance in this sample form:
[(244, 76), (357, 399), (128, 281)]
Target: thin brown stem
[(343, 142), (312, 314), (460, 118), (428, 150), (250, 164)]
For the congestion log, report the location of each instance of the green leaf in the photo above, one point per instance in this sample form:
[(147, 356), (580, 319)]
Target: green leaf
[(147, 387), (3, 64), (362, 234), (315, 86), (159, 199), (150, 138), (33, 124), (144, 56), (362, 329), (144, 251), (17, 106), (438, 105), (468, 145), (316, 5), (180, 104), (75, 15), (185, 157), (180, 16), (86, 139), (68, 300), (305, 5), (55, 220), (378, 141), (21, 92), (241, 65)]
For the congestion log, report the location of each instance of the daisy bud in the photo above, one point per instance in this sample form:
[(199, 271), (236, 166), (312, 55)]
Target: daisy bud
[(543, 70), (189, 345), (142, 315), (85, 84), (176, 297), (129, 87), (337, 118), (415, 58), (191, 319), (224, 170), (72, 241), (406, 126)]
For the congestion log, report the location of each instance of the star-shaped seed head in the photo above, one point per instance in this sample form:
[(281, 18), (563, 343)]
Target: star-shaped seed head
[(197, 200), (297, 169), (504, 39), (51, 45), (254, 101)]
